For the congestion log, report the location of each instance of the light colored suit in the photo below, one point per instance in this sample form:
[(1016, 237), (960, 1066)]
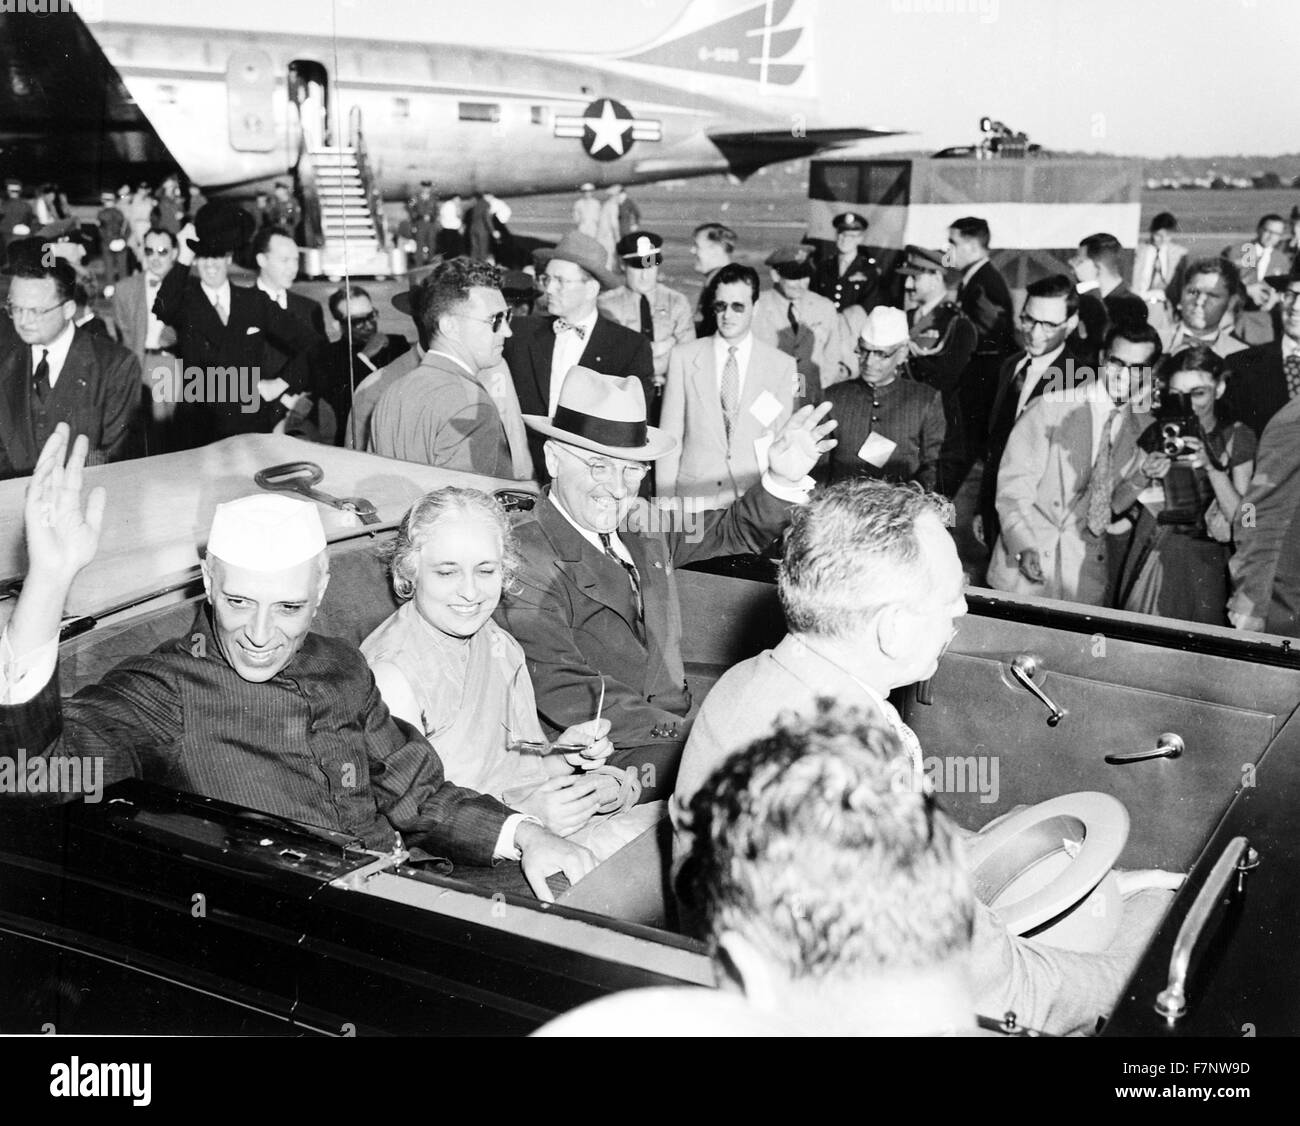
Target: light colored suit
[(1143, 281), (1254, 324), (131, 313), (1042, 494), (817, 347), (670, 313), (704, 464)]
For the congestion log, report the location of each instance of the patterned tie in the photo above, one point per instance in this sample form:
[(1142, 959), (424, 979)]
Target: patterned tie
[(561, 325), (1102, 482), (41, 376), (633, 577), (730, 391), (647, 319), (1291, 365)]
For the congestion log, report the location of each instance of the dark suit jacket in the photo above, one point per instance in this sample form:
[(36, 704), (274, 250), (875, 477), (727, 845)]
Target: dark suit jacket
[(1256, 385), (204, 342), (1097, 314), (575, 616), (313, 316), (98, 394), (986, 300), (611, 349)]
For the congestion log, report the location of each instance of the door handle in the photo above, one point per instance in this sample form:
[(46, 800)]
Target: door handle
[(1025, 669), (1168, 745)]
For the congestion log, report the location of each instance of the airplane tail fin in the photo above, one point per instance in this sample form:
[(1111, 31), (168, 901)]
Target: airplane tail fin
[(716, 43)]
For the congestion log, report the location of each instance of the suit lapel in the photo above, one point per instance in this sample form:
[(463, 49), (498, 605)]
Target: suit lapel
[(705, 380), (598, 578), (72, 379), (541, 349)]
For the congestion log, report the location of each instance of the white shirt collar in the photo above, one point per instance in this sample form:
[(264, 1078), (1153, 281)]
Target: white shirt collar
[(1087, 287), (454, 359), (56, 352), (215, 295), (744, 347), (587, 534), (274, 294)]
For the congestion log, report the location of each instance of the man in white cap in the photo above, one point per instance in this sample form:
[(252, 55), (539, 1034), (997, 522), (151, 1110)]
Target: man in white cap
[(541, 350), (251, 707), (595, 603), (891, 426), (644, 304)]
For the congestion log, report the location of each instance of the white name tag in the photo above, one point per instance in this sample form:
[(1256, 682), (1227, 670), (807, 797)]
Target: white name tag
[(877, 450), (766, 408)]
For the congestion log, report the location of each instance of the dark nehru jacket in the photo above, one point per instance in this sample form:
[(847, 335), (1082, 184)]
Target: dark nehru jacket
[(315, 743)]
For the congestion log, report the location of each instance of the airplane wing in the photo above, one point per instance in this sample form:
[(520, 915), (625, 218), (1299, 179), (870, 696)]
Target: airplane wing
[(750, 149)]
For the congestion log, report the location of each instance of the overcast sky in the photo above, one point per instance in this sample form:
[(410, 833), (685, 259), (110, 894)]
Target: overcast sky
[(1140, 77)]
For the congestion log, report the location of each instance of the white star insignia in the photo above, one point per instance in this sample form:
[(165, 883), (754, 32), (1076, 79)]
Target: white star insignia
[(608, 129)]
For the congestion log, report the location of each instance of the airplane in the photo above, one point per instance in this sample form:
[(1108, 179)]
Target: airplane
[(236, 95)]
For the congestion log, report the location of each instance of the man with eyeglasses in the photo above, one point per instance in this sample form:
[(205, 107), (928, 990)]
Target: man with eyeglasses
[(1207, 309), (1266, 256), (53, 372), (725, 397), (541, 350), (1265, 378), (1050, 314), (337, 367), (595, 603), (458, 408), (223, 330)]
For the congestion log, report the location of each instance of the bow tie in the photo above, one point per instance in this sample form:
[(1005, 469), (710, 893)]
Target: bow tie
[(561, 325)]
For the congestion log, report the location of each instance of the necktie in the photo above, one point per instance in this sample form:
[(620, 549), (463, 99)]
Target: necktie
[(561, 325), (647, 319), (730, 391), (606, 542), (1291, 365), (41, 376), (792, 318), (220, 305), (1102, 482), (1157, 273)]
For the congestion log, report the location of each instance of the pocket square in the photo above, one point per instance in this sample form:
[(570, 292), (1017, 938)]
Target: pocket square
[(252, 330)]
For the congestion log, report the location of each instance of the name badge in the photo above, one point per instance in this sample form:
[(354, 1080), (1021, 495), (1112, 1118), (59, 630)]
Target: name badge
[(766, 408), (877, 450)]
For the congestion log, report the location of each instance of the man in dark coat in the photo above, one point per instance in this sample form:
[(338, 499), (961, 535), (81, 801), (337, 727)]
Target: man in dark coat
[(849, 276)]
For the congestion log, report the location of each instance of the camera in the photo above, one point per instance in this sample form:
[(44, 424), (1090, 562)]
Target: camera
[(1175, 425)]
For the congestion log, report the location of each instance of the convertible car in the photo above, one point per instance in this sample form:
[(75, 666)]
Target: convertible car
[(152, 911)]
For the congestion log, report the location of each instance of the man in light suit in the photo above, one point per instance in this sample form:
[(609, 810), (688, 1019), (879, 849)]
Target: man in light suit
[(52, 372), (803, 324), (1158, 271), (723, 424), (1069, 463), (595, 604), (1259, 260), (542, 350)]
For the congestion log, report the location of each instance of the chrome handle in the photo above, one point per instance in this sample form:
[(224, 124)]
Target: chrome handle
[(1239, 858), (1168, 745), (1024, 669)]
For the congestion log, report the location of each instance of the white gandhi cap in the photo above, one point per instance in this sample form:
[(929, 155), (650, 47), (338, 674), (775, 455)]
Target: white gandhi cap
[(266, 533)]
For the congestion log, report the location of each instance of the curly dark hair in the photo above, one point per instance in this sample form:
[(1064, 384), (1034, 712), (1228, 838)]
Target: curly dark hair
[(448, 286)]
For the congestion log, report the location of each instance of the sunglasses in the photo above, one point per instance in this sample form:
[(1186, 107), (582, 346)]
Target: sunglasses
[(720, 307), (496, 320)]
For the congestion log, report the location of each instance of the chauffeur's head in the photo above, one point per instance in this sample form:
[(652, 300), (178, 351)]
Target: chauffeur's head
[(831, 895), (462, 311), (870, 578), (265, 573)]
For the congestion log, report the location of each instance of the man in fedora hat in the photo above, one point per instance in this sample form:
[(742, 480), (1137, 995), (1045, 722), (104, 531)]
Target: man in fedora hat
[(222, 328), (595, 604), (849, 276), (644, 304), (891, 426), (250, 706), (873, 592), (542, 350), (458, 409)]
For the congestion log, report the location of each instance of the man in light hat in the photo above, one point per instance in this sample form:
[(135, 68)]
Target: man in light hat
[(849, 277), (873, 592), (458, 409), (541, 350), (643, 304), (803, 325), (595, 604), (251, 707), (727, 394), (891, 426), (224, 328)]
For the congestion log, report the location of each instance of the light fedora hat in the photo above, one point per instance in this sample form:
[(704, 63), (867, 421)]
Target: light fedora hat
[(582, 250), (1048, 870), (605, 414), (886, 328)]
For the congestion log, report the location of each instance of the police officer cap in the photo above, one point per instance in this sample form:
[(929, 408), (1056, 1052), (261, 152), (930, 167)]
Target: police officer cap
[(849, 221), (640, 249), (791, 261), (923, 261)]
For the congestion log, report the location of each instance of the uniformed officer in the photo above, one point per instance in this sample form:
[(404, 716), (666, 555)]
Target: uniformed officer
[(851, 276), (283, 210), (802, 324), (643, 304)]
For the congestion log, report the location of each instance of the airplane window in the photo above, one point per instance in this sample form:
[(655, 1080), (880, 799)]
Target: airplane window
[(401, 108), (480, 111), (541, 115)]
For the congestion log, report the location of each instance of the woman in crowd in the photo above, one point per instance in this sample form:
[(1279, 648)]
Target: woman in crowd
[(445, 667), (1178, 567)]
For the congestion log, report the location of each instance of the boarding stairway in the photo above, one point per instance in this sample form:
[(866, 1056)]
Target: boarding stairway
[(345, 212)]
